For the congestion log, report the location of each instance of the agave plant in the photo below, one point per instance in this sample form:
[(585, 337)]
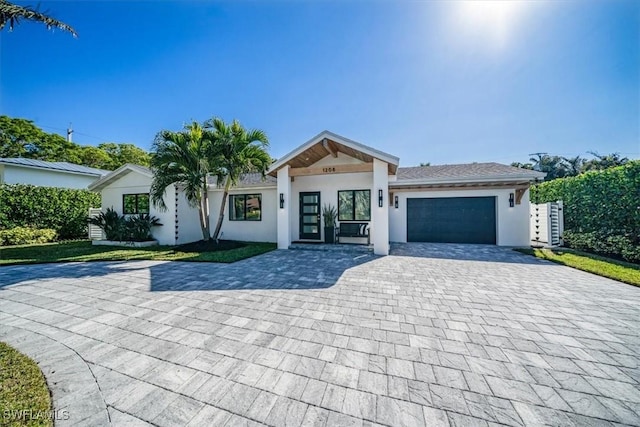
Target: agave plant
[(135, 228), (139, 227), (110, 222)]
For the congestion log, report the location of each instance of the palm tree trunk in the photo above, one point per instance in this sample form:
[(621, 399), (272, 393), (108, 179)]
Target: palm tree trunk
[(223, 205), (204, 215)]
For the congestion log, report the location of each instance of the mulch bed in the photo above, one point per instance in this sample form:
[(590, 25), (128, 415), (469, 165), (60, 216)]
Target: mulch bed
[(210, 246)]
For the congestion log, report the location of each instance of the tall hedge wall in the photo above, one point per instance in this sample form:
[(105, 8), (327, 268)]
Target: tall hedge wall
[(606, 202), (61, 209)]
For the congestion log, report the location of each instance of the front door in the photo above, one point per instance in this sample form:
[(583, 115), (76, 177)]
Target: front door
[(310, 215)]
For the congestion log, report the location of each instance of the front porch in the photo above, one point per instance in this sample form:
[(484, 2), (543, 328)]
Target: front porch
[(333, 171)]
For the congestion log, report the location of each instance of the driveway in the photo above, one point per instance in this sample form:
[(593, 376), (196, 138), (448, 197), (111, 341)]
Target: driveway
[(431, 335)]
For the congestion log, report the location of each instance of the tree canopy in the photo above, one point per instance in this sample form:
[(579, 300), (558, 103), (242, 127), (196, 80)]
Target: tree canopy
[(22, 138), (562, 167)]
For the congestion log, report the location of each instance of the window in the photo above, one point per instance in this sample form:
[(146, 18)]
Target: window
[(245, 207), (354, 205), (135, 203)]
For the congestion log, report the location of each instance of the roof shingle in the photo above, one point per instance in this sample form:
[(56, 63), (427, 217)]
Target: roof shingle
[(59, 166)]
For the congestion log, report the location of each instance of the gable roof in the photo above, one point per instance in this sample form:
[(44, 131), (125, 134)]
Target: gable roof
[(324, 144), (55, 166), (460, 173), (117, 174)]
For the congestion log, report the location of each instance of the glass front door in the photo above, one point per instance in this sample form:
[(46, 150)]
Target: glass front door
[(310, 216)]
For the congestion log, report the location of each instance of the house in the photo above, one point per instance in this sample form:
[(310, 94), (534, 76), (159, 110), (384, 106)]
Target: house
[(47, 174), (468, 203)]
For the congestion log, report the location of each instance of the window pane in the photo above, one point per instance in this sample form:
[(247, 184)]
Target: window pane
[(129, 204), (345, 205), (236, 205), (363, 205), (310, 229), (143, 203), (310, 208), (313, 198), (254, 207)]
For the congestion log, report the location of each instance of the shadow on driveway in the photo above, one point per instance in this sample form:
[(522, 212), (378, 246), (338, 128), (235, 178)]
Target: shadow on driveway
[(294, 269)]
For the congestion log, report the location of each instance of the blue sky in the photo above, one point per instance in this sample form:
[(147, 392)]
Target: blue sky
[(430, 81)]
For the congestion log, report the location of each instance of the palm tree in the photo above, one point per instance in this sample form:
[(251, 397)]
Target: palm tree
[(186, 159), (238, 151), (13, 13), (574, 165)]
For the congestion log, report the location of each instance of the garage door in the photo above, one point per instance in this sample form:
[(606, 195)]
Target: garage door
[(452, 220)]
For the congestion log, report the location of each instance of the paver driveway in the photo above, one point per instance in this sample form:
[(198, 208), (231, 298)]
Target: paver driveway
[(434, 334)]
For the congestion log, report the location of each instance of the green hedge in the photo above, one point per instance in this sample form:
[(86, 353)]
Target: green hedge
[(61, 209), (601, 209), (26, 236)]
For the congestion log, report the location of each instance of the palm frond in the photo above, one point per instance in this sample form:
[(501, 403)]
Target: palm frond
[(13, 14)]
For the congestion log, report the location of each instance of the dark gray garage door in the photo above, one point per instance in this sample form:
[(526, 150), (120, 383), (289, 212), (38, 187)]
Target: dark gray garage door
[(452, 220)]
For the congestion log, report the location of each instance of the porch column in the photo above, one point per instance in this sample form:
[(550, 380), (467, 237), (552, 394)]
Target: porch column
[(284, 191), (380, 215)]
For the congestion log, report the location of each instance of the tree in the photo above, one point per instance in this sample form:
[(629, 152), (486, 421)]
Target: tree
[(121, 154), (553, 166), (184, 158), (522, 165), (13, 14), (425, 164), (606, 161), (573, 165), (238, 151)]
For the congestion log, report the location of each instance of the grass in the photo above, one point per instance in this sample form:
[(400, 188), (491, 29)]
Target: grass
[(84, 251), (22, 388), (602, 266)]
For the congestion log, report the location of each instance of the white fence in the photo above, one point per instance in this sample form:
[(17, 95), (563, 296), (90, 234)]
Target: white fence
[(95, 232), (547, 224)]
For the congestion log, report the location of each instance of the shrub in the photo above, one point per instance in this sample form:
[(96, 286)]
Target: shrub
[(61, 209), (601, 210), (616, 246), (26, 236), (132, 228)]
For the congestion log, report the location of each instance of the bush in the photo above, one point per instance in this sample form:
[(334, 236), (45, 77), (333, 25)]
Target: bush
[(26, 236), (61, 209), (132, 228), (616, 246), (601, 210)]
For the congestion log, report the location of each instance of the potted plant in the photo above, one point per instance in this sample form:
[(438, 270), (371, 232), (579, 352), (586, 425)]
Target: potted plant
[(329, 215)]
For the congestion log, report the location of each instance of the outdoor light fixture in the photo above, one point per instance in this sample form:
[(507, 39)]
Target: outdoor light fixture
[(281, 200), (511, 200), (395, 202), (380, 198)]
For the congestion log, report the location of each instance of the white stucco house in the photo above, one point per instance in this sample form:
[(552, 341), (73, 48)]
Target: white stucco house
[(466, 203), (19, 170)]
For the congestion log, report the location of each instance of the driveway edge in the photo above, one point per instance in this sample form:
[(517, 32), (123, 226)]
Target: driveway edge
[(75, 395)]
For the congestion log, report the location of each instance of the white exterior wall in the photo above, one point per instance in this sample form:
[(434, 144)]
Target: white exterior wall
[(188, 222), (247, 231), (135, 183), (380, 215), (45, 178), (512, 223), (284, 214)]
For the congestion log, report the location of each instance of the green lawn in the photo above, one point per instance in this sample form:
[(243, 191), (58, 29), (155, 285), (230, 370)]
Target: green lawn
[(84, 251), (22, 388), (602, 266)]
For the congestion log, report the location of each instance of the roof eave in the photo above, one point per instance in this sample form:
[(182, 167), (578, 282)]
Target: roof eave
[(470, 180), (340, 139)]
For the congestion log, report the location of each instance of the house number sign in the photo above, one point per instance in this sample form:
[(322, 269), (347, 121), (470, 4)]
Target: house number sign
[(328, 170)]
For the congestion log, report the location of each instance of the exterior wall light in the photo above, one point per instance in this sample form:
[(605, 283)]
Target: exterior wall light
[(511, 200), (281, 200), (395, 202), (380, 198)]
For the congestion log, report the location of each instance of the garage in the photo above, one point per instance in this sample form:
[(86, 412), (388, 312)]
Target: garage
[(452, 220)]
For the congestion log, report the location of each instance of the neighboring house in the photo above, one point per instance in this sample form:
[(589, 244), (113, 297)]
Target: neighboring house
[(469, 203), (47, 174)]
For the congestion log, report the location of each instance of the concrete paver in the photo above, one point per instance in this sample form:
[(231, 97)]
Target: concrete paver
[(430, 335)]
